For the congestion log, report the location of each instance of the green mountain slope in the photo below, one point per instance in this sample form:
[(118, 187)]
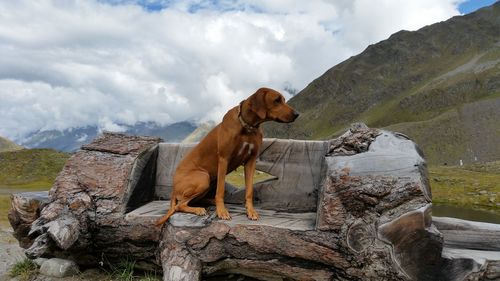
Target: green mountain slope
[(440, 85), (30, 168), (7, 145), (202, 130)]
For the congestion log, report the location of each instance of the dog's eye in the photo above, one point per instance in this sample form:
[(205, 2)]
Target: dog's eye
[(278, 100)]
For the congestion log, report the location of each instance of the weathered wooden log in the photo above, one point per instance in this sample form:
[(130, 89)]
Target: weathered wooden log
[(25, 209), (354, 208), (464, 234), (97, 185)]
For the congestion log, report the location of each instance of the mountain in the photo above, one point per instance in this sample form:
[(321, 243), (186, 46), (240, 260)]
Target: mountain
[(72, 139), (202, 130), (439, 85), (7, 145)]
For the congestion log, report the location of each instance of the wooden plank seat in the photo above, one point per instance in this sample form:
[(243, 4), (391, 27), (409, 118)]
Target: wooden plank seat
[(293, 221)]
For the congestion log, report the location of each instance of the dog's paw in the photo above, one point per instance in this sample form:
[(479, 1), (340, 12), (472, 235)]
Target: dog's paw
[(201, 211), (252, 214), (223, 214)]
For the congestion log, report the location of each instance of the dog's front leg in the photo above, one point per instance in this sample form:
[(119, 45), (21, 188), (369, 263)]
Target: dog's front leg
[(249, 172), (222, 212)]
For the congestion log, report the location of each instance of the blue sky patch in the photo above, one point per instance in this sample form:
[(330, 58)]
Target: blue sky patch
[(473, 5), (466, 7)]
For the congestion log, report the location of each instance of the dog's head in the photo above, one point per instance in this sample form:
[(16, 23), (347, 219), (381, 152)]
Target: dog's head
[(268, 104)]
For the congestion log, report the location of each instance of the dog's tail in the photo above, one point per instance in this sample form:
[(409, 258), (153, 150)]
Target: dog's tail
[(170, 212)]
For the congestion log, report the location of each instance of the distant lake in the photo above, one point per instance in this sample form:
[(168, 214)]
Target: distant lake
[(9, 190), (440, 210)]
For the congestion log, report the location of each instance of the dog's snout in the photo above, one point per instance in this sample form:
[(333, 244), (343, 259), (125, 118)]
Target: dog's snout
[(295, 114)]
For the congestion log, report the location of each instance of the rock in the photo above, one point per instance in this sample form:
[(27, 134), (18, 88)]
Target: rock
[(56, 267), (10, 252), (40, 261)]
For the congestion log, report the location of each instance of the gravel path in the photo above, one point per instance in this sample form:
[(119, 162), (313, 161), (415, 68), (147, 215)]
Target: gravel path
[(10, 253)]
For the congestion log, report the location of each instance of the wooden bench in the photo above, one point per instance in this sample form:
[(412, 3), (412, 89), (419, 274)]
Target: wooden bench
[(353, 208)]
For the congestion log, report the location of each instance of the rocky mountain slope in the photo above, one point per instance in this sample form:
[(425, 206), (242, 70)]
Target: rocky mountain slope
[(7, 145), (72, 139), (440, 85), (202, 130)]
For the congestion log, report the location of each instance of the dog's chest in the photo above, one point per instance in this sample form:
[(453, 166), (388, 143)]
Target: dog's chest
[(243, 151), (246, 149)]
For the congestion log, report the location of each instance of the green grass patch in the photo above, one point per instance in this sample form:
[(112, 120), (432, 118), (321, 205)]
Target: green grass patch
[(126, 270), (30, 168), (237, 177), (476, 185), (4, 209), (7, 145), (27, 170), (24, 270)]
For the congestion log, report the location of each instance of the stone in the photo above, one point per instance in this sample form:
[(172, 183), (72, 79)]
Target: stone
[(56, 267), (40, 261)]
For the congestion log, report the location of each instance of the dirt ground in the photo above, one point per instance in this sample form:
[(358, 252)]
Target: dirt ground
[(10, 253)]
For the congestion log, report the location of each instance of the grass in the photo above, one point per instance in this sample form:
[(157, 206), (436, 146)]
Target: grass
[(4, 209), (476, 185), (237, 177), (24, 270), (27, 170), (126, 270), (30, 168), (7, 145)]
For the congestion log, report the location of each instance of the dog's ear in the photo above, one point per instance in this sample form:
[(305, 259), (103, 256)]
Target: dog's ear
[(258, 103)]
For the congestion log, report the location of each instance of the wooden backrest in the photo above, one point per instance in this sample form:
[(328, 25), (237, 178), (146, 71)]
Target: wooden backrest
[(297, 165)]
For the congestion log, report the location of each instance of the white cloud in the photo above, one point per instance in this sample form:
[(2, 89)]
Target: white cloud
[(81, 62)]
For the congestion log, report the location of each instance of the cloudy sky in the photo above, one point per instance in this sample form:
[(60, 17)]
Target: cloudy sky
[(72, 63)]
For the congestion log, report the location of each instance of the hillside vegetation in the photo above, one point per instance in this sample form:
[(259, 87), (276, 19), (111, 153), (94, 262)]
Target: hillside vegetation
[(475, 185), (439, 85), (202, 130), (7, 145), (30, 168), (27, 170)]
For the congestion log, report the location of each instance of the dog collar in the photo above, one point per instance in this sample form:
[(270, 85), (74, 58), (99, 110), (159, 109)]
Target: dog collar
[(245, 125)]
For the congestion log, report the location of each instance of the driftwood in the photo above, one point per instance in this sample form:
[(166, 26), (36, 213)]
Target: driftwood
[(354, 208)]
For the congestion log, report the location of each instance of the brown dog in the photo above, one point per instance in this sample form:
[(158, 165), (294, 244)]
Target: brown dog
[(233, 142)]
